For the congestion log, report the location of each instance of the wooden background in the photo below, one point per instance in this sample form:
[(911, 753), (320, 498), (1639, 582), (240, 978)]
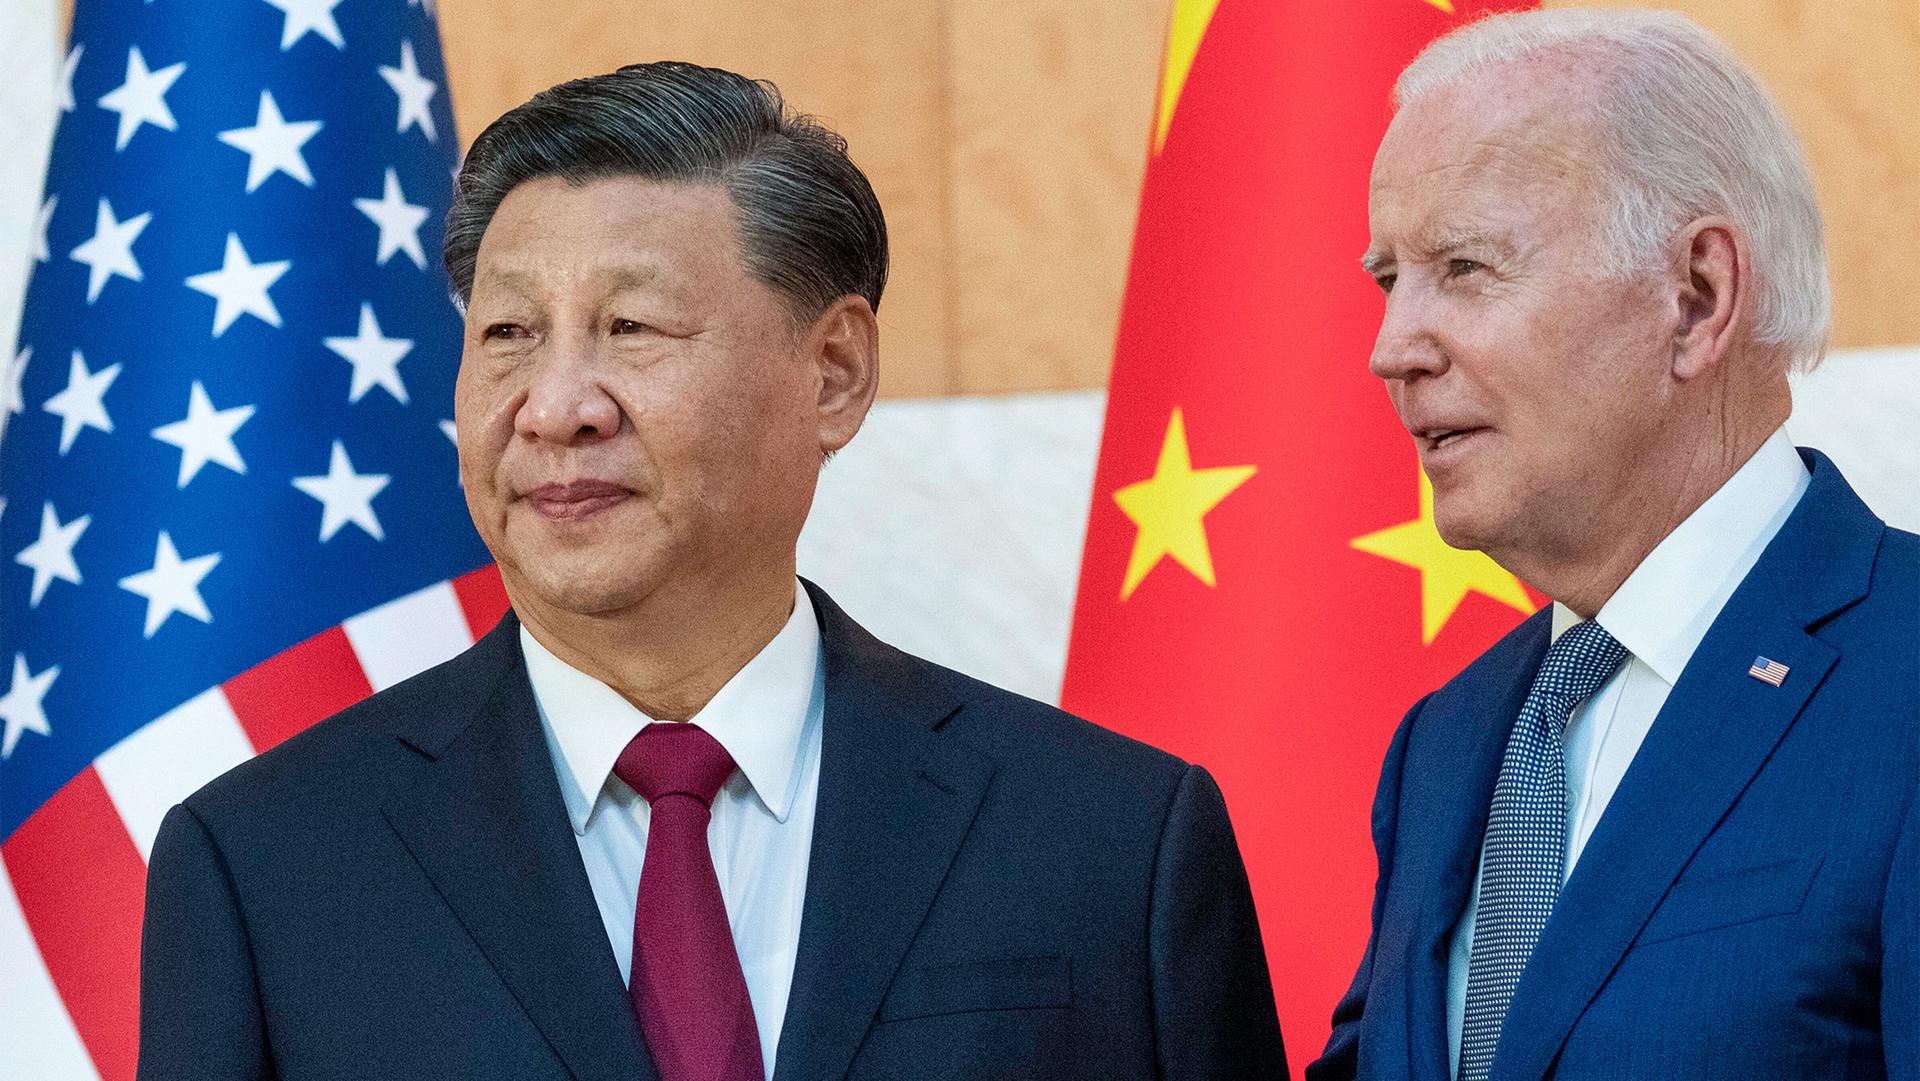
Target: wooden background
[(1006, 140)]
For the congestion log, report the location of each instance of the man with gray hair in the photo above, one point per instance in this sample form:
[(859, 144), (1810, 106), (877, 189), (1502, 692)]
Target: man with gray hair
[(1668, 828), (678, 816)]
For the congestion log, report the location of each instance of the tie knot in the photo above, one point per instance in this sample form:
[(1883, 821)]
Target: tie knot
[(674, 759), (1579, 661)]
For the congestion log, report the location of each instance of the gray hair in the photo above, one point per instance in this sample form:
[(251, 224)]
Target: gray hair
[(1687, 131), (810, 226)]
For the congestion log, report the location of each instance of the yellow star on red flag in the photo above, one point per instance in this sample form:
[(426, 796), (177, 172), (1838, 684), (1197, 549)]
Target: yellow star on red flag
[(1168, 508), (1447, 574), (1184, 32)]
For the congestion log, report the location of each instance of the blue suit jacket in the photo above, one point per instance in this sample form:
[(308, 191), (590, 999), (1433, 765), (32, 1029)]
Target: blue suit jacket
[(997, 890), (1749, 904)]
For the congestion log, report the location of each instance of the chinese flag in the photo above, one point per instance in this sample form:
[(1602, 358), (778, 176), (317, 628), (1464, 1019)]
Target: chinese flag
[(1262, 590)]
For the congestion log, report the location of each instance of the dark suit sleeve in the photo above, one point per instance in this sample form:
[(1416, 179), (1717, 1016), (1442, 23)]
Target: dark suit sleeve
[(200, 1015), (1900, 960), (1340, 1060), (1213, 1005)]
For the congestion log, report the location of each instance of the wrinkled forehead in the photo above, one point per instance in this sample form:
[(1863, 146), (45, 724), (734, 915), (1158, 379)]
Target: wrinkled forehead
[(629, 230), (1492, 146)]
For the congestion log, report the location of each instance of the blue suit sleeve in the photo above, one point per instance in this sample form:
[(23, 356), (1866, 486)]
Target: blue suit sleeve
[(200, 1012), (1900, 959), (1340, 1061), (1213, 1006)]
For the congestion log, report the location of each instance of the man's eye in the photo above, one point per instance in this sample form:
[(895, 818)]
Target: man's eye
[(1457, 268), (1385, 282), (503, 330), (628, 326)]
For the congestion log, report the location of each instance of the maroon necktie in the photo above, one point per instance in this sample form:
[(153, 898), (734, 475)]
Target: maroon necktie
[(686, 986)]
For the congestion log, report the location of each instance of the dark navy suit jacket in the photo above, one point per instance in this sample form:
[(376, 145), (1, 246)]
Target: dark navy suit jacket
[(1748, 906), (997, 890)]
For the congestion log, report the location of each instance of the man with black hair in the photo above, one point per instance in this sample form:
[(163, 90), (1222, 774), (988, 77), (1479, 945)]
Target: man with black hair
[(678, 816)]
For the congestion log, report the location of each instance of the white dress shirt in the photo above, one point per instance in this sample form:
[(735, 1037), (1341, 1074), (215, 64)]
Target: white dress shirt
[(768, 717), (1660, 613)]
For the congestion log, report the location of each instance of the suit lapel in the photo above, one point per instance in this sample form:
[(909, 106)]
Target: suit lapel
[(485, 822), (1451, 787), (1714, 734), (896, 799)]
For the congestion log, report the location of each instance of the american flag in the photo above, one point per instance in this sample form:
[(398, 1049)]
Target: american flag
[(1768, 670), (231, 501)]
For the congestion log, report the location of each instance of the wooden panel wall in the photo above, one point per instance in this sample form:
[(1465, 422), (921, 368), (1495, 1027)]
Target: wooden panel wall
[(1006, 139), (875, 74)]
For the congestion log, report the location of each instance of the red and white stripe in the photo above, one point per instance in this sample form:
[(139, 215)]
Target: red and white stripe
[(73, 876), (1769, 671)]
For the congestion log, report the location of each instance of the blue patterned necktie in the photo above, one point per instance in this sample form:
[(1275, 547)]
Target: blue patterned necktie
[(1526, 843)]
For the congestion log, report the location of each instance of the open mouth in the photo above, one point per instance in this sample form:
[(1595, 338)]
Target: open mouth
[(1441, 438)]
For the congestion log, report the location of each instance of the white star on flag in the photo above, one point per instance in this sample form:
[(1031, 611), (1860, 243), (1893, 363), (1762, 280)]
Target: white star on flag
[(83, 403), (375, 358), (21, 709), (109, 250), (63, 90), (40, 222), (142, 99), (206, 435), (240, 287), (415, 92), (399, 222), (273, 145), (302, 16), (51, 556), (173, 585), (345, 496)]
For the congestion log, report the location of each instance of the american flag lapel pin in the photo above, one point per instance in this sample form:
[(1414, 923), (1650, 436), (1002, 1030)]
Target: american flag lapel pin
[(1768, 670)]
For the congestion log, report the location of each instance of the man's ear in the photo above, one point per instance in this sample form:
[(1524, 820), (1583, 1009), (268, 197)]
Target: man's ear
[(845, 345), (1715, 278)]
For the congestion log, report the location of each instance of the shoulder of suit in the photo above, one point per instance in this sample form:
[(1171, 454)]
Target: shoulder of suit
[(1013, 728), (1884, 625), (340, 755), (1898, 569)]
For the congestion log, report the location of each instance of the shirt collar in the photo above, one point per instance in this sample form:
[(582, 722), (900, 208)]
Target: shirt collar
[(1663, 609), (758, 716)]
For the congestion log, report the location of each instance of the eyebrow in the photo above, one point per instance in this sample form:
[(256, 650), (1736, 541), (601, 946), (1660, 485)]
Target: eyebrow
[(1374, 262), (1469, 238)]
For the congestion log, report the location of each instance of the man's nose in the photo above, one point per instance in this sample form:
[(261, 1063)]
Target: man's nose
[(1408, 345), (567, 399)]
